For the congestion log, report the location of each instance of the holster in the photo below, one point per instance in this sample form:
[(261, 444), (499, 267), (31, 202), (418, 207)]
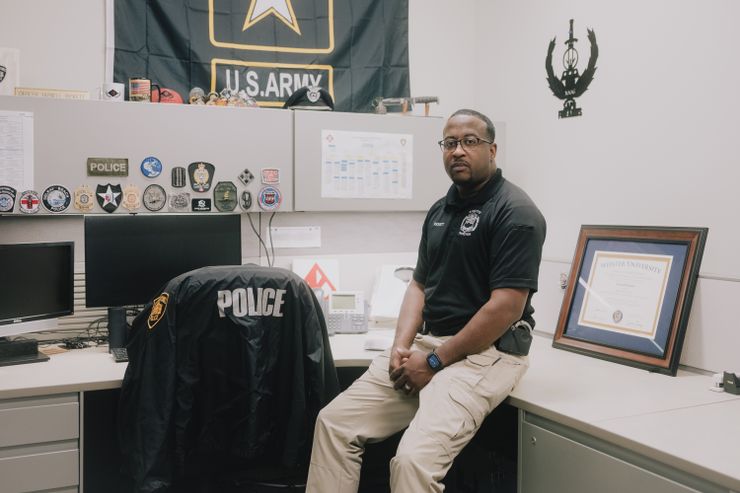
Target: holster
[(516, 340)]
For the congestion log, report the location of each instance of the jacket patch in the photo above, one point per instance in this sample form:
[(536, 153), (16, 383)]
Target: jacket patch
[(159, 307), (252, 302)]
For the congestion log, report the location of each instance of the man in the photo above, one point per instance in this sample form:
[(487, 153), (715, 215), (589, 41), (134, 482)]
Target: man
[(477, 269)]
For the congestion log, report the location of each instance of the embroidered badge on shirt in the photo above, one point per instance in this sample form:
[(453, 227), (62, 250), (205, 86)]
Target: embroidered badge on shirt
[(469, 223)]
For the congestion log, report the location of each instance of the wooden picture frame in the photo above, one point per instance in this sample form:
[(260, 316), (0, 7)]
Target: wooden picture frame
[(629, 294)]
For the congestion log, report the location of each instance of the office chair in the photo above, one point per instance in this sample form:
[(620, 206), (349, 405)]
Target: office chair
[(228, 369)]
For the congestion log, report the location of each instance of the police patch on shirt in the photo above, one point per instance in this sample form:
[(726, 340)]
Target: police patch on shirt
[(470, 222), (159, 307)]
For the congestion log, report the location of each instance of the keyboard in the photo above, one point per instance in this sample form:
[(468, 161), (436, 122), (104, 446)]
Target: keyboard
[(120, 354)]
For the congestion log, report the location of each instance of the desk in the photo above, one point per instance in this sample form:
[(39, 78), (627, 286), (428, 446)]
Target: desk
[(673, 421)]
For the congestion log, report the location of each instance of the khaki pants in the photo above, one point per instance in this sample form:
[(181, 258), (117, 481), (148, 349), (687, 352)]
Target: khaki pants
[(441, 420)]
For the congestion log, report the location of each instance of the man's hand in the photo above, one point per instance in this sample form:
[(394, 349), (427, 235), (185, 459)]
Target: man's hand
[(412, 373), (396, 359)]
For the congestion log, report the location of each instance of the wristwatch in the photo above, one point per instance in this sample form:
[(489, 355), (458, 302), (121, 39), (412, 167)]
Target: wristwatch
[(434, 362)]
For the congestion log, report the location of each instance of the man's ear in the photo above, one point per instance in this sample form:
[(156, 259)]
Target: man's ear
[(494, 148)]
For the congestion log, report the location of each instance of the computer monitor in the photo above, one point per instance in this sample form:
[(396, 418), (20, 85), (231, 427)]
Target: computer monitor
[(37, 288), (128, 258)]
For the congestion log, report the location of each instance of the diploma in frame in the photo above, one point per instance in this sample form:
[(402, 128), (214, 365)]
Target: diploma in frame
[(629, 294)]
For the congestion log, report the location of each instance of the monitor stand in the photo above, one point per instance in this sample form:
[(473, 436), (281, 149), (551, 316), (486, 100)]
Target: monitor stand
[(117, 327)]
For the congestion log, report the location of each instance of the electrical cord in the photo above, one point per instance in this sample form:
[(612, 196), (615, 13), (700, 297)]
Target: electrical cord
[(259, 237), (269, 233)]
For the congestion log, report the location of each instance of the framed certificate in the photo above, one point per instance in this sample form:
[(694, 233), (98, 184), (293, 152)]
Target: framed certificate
[(629, 294)]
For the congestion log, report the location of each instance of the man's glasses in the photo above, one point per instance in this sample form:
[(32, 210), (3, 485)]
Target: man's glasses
[(467, 143)]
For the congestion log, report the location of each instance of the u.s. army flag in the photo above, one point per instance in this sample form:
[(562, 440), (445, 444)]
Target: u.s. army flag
[(355, 49)]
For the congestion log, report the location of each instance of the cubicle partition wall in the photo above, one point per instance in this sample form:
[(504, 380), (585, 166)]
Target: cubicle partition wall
[(68, 133)]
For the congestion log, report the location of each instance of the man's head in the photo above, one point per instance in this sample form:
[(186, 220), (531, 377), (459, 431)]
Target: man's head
[(469, 150)]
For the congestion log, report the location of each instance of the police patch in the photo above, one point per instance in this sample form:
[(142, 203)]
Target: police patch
[(159, 307), (131, 199), (108, 197), (178, 177), (470, 223), (7, 199), (224, 196), (201, 205), (29, 202), (84, 200), (246, 176), (180, 202), (155, 198), (269, 198), (151, 167), (56, 198), (246, 201), (201, 174), (270, 176)]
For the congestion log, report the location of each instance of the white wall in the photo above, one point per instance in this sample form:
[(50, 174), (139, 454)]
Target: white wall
[(62, 46), (656, 144)]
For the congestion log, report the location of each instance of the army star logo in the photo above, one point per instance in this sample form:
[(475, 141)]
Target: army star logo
[(107, 196), (282, 9)]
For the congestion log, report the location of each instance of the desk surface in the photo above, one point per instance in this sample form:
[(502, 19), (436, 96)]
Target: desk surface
[(676, 420)]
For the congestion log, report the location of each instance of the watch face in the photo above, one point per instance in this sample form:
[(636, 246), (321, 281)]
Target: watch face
[(434, 362)]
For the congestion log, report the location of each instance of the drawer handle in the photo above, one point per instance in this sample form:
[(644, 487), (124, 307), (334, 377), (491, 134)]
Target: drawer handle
[(533, 440)]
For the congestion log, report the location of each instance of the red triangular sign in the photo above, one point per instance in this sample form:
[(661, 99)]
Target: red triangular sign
[(316, 278)]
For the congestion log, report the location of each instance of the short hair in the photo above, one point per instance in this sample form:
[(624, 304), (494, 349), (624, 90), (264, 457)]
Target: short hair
[(490, 129)]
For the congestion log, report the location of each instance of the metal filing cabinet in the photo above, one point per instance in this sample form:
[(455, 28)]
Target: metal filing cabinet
[(555, 458), (39, 444)]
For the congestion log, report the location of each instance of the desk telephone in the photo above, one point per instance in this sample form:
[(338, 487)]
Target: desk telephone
[(345, 312)]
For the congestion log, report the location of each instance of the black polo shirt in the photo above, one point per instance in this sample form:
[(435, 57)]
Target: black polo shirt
[(472, 246)]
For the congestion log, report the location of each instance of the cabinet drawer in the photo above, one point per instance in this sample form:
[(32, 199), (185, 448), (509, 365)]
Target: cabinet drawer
[(38, 420), (553, 463), (40, 471)]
